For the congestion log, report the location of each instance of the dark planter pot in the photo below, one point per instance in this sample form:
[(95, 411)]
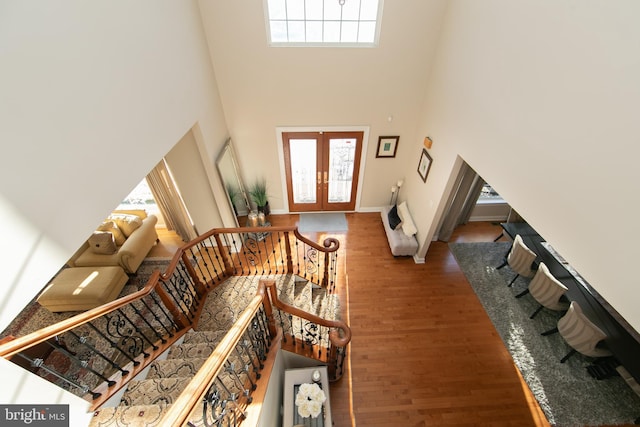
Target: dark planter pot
[(265, 209)]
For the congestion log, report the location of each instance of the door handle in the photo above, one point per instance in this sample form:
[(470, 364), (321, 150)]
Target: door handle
[(326, 177), (319, 177)]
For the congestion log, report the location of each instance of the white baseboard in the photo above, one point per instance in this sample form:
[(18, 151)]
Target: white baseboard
[(499, 218)]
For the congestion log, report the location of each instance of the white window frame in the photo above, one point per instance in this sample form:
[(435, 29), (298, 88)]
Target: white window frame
[(324, 44)]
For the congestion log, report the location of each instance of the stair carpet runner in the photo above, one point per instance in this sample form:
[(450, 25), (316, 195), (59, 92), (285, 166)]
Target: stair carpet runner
[(145, 400)]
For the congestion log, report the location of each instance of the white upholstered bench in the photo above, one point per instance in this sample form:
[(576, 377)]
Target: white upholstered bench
[(399, 242)]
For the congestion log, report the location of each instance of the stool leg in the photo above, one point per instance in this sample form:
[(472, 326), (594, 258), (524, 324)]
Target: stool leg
[(535, 313), (571, 353)]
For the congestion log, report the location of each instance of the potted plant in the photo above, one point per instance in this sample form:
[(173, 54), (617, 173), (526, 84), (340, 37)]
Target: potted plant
[(258, 193)]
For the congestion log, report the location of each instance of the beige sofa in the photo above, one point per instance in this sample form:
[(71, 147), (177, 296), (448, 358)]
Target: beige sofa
[(133, 235)]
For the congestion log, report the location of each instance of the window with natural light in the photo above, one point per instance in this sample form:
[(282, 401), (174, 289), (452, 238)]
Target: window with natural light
[(346, 23)]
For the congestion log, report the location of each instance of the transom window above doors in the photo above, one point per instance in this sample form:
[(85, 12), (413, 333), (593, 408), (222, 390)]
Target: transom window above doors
[(343, 23)]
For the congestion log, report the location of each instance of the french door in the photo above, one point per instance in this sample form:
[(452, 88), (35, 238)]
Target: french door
[(322, 170)]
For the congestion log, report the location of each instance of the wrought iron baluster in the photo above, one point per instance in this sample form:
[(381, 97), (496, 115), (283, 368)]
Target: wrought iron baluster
[(297, 252), (84, 364), (139, 331), (302, 340), (170, 332), (341, 353), (83, 341), (263, 326), (198, 265), (216, 405), (187, 282), (144, 319), (230, 368), (39, 363), (245, 345), (114, 328), (219, 262), (114, 344), (246, 367), (257, 341), (230, 242), (173, 293), (185, 290), (232, 396)]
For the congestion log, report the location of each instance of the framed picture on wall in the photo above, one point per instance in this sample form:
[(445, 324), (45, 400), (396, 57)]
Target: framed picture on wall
[(424, 165), (387, 146)]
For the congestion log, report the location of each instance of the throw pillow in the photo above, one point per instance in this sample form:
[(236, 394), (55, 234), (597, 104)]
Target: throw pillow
[(127, 223), (394, 219), (112, 227), (408, 227), (102, 242)]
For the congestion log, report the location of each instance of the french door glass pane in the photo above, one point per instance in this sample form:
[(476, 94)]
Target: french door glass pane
[(303, 169), (341, 160)]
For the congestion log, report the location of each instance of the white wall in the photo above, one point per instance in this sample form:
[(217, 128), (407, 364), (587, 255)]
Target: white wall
[(92, 95), (263, 88), (541, 99)]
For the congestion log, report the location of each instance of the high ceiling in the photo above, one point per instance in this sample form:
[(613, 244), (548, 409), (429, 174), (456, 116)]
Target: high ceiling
[(264, 87)]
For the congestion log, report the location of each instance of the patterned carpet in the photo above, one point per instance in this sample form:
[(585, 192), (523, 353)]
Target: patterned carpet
[(566, 392)]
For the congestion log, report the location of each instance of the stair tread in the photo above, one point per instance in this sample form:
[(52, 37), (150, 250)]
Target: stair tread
[(204, 336), (180, 368), (145, 400), (191, 350), (136, 415), (153, 391), (295, 291)]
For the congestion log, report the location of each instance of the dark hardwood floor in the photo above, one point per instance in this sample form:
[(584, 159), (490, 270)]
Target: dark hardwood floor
[(423, 352)]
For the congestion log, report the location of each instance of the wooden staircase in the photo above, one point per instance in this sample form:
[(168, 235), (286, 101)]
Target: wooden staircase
[(146, 400), (194, 342)]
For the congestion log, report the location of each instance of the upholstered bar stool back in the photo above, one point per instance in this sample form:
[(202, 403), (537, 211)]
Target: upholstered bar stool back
[(547, 291), (520, 259), (581, 334)]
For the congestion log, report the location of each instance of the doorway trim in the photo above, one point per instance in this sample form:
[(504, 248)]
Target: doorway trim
[(363, 155)]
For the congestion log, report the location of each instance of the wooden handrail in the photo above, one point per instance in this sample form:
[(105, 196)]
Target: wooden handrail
[(10, 348), (334, 336), (17, 345), (235, 230), (329, 244), (178, 413)]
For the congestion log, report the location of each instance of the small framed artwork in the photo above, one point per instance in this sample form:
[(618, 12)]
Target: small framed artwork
[(387, 146), (424, 165)]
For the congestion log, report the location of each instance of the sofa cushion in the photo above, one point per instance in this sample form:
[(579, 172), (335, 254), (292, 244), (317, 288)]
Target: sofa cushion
[(127, 223), (394, 219), (102, 242), (112, 227), (408, 227)]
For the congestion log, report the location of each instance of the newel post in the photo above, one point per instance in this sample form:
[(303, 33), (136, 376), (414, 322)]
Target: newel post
[(201, 288), (228, 268), (288, 249), (267, 287)]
